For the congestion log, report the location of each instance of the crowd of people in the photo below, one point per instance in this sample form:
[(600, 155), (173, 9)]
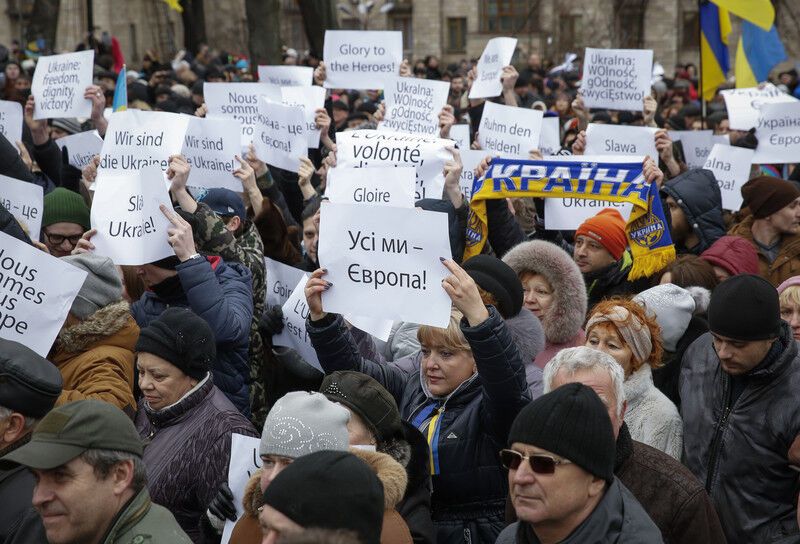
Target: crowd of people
[(563, 402)]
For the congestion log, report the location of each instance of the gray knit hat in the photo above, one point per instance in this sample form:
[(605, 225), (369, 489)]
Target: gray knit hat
[(302, 422), (102, 287)]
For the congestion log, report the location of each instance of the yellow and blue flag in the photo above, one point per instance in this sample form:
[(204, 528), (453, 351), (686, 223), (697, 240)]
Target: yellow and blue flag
[(174, 5), (121, 91), (715, 26), (758, 52), (759, 12), (646, 230)]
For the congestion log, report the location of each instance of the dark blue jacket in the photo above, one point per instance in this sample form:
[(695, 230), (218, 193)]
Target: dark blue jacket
[(220, 293), (469, 430), (698, 195)]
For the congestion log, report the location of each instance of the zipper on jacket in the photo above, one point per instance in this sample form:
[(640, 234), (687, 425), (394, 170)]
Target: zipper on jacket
[(716, 443)]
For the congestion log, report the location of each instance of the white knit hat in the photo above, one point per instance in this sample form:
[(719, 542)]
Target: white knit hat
[(673, 308)]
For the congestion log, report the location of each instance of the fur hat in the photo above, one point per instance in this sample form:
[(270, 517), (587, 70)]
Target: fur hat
[(568, 312)]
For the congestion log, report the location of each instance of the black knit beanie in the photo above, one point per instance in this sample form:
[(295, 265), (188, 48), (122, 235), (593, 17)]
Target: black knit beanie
[(330, 490), (766, 195), (572, 422), (183, 338), (367, 398), (493, 275), (745, 307)]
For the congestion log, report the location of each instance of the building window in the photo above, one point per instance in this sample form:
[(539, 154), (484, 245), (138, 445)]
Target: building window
[(690, 30), (403, 24), (509, 16), (456, 34)]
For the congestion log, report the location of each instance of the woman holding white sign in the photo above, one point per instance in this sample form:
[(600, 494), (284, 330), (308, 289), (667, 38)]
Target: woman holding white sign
[(470, 386)]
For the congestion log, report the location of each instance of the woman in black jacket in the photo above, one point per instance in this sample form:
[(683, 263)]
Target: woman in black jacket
[(468, 390)]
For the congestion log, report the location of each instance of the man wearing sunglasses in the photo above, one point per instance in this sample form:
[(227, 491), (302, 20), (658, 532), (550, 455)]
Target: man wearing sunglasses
[(560, 463), (64, 220)]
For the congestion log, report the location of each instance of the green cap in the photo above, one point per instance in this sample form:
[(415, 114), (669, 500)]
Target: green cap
[(65, 206), (69, 430)]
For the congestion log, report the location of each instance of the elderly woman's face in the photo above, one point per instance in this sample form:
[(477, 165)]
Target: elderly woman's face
[(605, 338), (161, 382)]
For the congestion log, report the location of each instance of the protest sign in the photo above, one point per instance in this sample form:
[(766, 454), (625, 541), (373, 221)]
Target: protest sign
[(569, 213), (496, 56), (378, 185), (778, 133), (244, 462), (604, 139), (460, 135), (310, 99), (550, 139), (286, 76), (210, 146), (81, 147), (36, 293), (617, 79), (361, 59), (294, 335), (365, 148), (470, 159), (240, 101), (131, 229), (25, 201), (59, 83), (384, 262), (137, 139), (11, 120), (281, 280), (743, 105), (696, 145), (731, 167), (413, 105), (281, 136), (722, 139), (508, 130)]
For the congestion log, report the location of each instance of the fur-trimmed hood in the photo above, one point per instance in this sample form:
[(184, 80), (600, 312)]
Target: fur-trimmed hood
[(568, 312), (391, 474), (111, 325)]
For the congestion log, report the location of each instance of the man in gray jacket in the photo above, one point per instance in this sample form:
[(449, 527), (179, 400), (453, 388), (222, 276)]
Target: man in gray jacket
[(560, 465), (741, 412)]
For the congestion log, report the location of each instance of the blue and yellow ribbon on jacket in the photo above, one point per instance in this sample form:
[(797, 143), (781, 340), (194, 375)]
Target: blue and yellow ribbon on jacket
[(647, 231)]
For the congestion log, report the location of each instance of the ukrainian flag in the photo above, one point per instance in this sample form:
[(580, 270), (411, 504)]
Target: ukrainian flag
[(715, 25), (758, 52), (121, 91)]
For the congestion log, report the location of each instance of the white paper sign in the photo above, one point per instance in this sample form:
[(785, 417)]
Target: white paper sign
[(696, 145), (281, 280), (361, 59), (413, 105), (294, 335), (239, 101), (460, 135), (377, 185), (11, 120), (470, 159), (210, 146), (604, 139), (35, 295), (244, 462), (550, 140), (365, 148), (136, 139), (496, 56), (731, 167), (569, 213), (25, 201), (310, 99), (743, 105), (286, 76), (59, 83), (778, 134), (131, 229), (81, 147), (618, 79), (384, 262), (281, 137), (509, 131)]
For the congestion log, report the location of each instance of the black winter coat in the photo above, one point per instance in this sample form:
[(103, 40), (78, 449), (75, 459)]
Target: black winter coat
[(698, 195), (470, 426), (613, 281), (16, 491), (666, 378)]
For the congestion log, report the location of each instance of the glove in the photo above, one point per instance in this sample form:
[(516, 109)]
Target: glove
[(271, 322), (221, 508)]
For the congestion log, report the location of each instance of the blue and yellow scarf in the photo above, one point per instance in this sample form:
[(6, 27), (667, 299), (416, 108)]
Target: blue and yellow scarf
[(647, 232)]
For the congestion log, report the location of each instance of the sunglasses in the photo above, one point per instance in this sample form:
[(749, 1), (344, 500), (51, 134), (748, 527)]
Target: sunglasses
[(540, 464)]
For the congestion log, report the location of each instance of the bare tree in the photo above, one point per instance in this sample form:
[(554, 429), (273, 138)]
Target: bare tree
[(318, 16), (194, 25), (263, 25)]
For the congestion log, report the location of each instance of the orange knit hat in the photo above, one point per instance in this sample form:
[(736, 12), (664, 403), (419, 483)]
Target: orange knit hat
[(607, 228)]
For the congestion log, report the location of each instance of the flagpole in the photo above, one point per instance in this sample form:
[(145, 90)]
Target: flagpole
[(700, 79)]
